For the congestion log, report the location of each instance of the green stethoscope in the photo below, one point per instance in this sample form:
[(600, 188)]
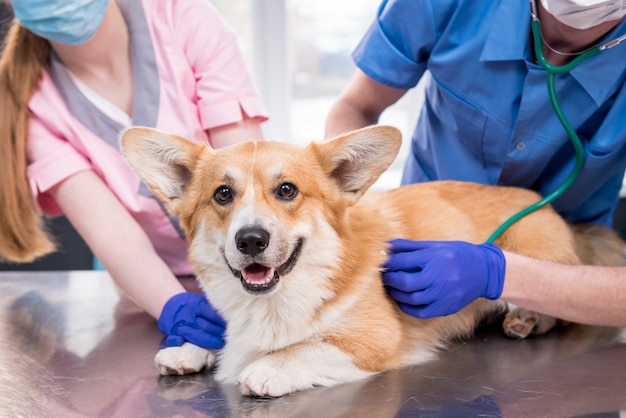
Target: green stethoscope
[(552, 71)]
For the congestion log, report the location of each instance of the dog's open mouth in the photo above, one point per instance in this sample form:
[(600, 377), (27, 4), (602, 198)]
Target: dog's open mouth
[(259, 279)]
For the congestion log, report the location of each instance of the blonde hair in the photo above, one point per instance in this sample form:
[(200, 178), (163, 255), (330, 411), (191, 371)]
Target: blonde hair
[(23, 236)]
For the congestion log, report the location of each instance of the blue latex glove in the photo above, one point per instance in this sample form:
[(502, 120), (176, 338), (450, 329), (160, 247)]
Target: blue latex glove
[(189, 317), (438, 278)]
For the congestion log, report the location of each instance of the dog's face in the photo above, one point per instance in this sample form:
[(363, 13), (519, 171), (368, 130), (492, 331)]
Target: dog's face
[(252, 214), (260, 211)]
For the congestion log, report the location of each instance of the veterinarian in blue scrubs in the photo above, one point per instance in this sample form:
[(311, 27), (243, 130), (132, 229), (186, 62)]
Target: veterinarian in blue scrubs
[(487, 118)]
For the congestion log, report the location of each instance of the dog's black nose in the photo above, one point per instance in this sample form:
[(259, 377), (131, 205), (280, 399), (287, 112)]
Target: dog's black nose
[(252, 241)]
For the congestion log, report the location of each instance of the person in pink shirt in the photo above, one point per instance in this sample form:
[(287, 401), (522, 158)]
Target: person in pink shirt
[(73, 75)]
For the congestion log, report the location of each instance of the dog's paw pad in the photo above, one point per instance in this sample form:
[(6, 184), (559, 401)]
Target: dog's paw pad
[(519, 327), (520, 323), (180, 370), (186, 359)]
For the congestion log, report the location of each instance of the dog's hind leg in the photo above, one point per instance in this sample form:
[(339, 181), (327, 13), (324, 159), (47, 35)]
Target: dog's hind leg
[(520, 323), (298, 367), (593, 245), (531, 237), (598, 245)]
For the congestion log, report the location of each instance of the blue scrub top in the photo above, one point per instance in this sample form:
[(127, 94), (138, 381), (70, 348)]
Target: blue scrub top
[(487, 117)]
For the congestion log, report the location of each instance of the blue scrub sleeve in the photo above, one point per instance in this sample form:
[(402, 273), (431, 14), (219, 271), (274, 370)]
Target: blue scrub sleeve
[(395, 49)]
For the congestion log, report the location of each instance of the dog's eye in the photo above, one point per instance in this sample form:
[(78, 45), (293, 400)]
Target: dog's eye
[(223, 195), (287, 191)]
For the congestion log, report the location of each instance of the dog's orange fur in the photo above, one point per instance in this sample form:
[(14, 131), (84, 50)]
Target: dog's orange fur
[(332, 178)]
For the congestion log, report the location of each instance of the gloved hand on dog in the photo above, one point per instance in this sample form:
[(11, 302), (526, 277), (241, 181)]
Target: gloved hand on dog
[(189, 317), (438, 278)]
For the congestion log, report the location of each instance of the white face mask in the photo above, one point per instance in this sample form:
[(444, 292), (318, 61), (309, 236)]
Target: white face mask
[(585, 14)]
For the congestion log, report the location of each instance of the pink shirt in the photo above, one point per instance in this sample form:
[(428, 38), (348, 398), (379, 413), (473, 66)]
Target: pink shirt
[(202, 82)]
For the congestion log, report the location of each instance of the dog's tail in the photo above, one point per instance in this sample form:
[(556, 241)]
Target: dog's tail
[(598, 245)]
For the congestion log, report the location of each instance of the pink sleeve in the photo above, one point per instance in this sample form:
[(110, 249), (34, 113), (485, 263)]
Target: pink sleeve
[(224, 85), (51, 160)]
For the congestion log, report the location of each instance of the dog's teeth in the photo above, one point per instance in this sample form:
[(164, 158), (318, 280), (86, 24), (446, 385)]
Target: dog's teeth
[(258, 283), (265, 281)]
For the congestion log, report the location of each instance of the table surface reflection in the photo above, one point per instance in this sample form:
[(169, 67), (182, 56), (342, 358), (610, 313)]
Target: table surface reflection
[(71, 346)]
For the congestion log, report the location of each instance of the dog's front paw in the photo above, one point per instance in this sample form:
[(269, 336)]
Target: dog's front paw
[(266, 377), (186, 359)]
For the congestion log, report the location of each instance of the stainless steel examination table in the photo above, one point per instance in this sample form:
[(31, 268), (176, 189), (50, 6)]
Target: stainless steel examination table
[(70, 346)]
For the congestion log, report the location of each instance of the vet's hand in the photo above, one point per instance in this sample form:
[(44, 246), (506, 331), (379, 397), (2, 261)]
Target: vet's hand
[(189, 317), (438, 278)]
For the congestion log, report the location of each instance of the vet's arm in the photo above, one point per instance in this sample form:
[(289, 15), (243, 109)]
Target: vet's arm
[(117, 241), (594, 295), (360, 105), (248, 129)]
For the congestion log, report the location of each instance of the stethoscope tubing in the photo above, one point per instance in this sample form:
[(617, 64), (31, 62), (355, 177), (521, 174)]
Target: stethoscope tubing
[(552, 71)]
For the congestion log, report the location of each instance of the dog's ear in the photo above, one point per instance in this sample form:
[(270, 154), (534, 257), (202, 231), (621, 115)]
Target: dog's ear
[(164, 161), (356, 160)]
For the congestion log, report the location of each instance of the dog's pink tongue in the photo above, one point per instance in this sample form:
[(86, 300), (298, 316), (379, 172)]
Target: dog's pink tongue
[(257, 273)]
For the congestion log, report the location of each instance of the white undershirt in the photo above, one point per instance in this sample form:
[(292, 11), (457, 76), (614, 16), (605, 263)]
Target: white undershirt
[(105, 106)]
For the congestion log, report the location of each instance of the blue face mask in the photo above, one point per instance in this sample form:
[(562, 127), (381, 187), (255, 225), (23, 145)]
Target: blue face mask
[(70, 22)]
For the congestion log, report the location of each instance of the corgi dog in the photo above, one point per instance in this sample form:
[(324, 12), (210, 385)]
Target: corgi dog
[(287, 245)]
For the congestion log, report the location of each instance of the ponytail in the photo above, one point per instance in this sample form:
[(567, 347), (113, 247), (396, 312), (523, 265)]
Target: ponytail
[(22, 234)]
